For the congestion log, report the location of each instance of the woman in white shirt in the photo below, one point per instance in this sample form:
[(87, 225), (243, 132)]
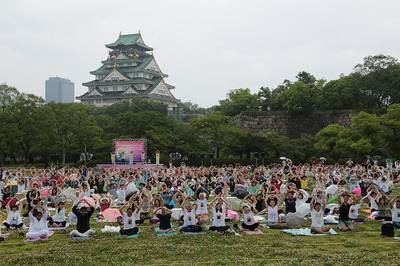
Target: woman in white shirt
[(219, 214), (14, 219), (129, 218), (317, 215), (202, 211), (189, 217), (248, 218), (38, 226), (59, 217), (272, 203)]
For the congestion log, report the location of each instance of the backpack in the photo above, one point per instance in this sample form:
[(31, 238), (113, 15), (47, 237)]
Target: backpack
[(387, 230)]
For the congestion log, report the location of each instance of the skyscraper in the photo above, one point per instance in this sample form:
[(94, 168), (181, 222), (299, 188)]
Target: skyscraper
[(59, 90)]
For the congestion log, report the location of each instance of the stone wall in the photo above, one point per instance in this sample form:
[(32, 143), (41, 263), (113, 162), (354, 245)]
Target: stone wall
[(295, 125)]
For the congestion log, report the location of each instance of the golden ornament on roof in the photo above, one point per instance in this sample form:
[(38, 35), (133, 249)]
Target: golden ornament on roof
[(130, 55)]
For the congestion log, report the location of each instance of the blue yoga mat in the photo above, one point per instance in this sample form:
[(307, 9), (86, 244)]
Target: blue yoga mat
[(132, 236), (165, 234), (306, 232)]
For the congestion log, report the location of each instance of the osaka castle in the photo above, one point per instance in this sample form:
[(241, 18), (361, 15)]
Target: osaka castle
[(129, 72)]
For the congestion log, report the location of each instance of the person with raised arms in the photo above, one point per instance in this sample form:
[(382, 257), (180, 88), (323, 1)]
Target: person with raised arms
[(83, 215), (344, 208), (189, 217), (129, 218), (317, 215), (38, 225)]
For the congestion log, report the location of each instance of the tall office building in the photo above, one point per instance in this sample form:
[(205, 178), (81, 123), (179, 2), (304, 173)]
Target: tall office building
[(59, 90)]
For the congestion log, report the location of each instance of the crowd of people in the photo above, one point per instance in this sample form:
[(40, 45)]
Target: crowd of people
[(198, 198)]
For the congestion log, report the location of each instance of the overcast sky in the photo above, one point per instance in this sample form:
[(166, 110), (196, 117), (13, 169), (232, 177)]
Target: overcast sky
[(206, 47)]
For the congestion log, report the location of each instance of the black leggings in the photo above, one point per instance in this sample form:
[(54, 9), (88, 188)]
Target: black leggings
[(191, 228), (129, 232), (15, 225), (219, 228), (386, 218), (250, 227), (58, 223)]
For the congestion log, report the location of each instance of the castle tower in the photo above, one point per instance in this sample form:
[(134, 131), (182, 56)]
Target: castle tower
[(129, 72)]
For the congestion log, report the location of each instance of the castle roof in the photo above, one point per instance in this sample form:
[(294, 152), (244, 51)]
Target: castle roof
[(133, 40)]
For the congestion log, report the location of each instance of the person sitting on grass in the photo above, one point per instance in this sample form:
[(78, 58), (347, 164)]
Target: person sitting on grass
[(59, 217), (2, 218), (189, 217), (164, 215), (248, 217), (129, 218), (344, 208), (38, 225), (395, 208), (14, 219), (219, 214), (273, 203), (382, 202), (317, 215), (201, 210), (83, 215), (353, 214)]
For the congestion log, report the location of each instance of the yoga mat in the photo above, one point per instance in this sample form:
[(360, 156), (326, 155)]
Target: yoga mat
[(327, 222), (38, 239), (306, 232), (255, 232), (84, 237), (60, 228), (366, 210), (132, 236), (165, 234), (5, 235), (194, 233)]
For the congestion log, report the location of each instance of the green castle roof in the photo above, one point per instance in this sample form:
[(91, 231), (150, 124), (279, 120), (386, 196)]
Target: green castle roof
[(129, 40)]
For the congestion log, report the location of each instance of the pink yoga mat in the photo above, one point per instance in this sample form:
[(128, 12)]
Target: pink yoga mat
[(37, 239), (255, 232), (233, 214)]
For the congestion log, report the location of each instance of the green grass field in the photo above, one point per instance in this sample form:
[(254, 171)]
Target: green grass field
[(365, 246)]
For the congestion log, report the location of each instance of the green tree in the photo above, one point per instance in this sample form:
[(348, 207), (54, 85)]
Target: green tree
[(391, 123), (30, 121), (327, 138), (237, 101), (214, 130), (378, 78), (71, 123), (340, 94)]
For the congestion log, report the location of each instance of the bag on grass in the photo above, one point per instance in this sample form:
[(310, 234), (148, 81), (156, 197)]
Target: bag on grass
[(387, 230)]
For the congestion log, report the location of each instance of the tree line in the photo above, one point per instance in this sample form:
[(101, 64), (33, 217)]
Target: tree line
[(32, 131)]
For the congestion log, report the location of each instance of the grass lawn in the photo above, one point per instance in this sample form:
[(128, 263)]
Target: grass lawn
[(365, 246)]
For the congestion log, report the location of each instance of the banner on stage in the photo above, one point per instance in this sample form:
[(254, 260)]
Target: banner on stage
[(123, 151)]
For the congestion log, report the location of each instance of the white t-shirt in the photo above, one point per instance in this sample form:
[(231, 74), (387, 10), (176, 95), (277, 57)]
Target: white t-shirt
[(317, 218), (202, 206), (395, 214), (273, 214), (353, 212), (248, 218), (129, 222), (189, 218), (218, 217)]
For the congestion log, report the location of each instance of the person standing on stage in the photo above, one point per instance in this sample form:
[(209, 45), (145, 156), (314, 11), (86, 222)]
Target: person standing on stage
[(112, 157), (122, 155), (143, 158), (131, 157)]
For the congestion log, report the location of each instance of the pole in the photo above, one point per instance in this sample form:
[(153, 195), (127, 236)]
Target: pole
[(256, 162), (85, 155)]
